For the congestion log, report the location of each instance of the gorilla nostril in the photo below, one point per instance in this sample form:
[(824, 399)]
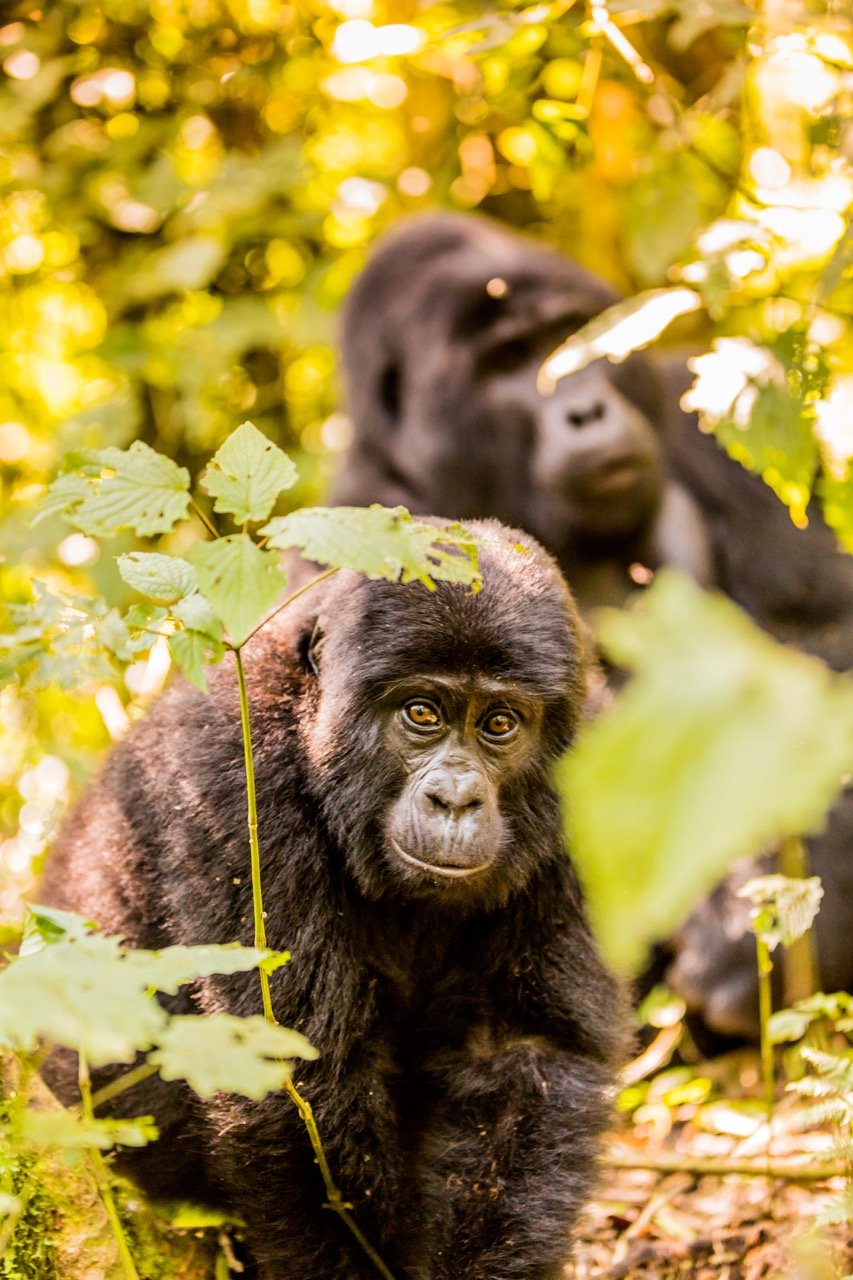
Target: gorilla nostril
[(437, 801), (455, 807), (583, 417)]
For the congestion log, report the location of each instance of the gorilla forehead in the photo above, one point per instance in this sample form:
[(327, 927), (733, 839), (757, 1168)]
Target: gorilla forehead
[(520, 627)]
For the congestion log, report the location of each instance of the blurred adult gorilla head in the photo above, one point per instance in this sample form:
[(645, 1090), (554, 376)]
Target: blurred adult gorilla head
[(443, 336)]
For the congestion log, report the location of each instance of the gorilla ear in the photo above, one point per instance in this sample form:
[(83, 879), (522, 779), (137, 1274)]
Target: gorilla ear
[(311, 648)]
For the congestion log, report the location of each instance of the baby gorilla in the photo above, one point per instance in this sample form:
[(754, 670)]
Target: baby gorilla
[(414, 863)]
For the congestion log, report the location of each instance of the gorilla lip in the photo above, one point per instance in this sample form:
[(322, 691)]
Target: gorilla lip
[(452, 873)]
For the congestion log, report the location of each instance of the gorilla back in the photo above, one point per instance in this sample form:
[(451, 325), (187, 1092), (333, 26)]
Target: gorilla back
[(413, 862)]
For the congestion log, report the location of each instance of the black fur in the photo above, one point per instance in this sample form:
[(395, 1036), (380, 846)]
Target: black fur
[(468, 1036), (423, 340)]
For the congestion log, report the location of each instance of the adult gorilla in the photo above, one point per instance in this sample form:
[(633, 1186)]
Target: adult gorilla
[(414, 863), (443, 335)]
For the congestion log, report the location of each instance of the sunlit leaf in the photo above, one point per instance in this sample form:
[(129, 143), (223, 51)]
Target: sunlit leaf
[(618, 331), (173, 966), (135, 488), (239, 580), (723, 742), (247, 474), (380, 542), (161, 578), (249, 1056), (783, 908), (64, 1129), (78, 993)]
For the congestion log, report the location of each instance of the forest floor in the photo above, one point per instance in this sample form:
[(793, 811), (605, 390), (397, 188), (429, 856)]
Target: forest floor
[(674, 1220)]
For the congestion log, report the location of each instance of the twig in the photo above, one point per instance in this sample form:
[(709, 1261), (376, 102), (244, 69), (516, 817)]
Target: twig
[(102, 1178), (320, 577), (713, 1167), (126, 1081)]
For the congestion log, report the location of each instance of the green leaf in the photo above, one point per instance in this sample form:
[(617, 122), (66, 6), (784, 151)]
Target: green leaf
[(45, 925), (173, 966), (247, 474), (90, 994), (65, 1129), (144, 623), (248, 1056), (240, 581), (724, 742), (134, 488), (788, 1025), (776, 441), (164, 579), (193, 651), (53, 641), (783, 908), (80, 994), (381, 542)]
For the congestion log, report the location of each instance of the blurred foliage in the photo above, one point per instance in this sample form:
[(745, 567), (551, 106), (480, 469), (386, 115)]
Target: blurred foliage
[(190, 186)]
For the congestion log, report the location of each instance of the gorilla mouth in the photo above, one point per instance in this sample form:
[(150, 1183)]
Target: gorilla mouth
[(450, 872), (619, 474)]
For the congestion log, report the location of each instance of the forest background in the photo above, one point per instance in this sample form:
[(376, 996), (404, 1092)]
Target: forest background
[(190, 188)]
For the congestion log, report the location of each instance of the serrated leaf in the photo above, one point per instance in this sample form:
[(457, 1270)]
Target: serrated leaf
[(65, 1129), (776, 441), (144, 624), (173, 966), (52, 641), (193, 651), (46, 925), (783, 908), (90, 994), (135, 488), (380, 542), (239, 580), (78, 993), (248, 1056), (247, 474), (163, 579), (723, 742)]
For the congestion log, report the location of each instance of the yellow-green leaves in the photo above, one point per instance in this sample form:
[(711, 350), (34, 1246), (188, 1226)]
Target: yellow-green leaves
[(112, 489), (723, 742), (220, 1052), (379, 542), (247, 474), (239, 580), (163, 579)]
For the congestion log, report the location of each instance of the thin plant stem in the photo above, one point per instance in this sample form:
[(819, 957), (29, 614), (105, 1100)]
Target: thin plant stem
[(102, 1179), (335, 1200), (126, 1081), (10, 1226), (205, 519), (800, 968), (306, 586), (254, 846), (765, 1008)]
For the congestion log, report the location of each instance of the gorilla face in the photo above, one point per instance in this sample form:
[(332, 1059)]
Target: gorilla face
[(444, 336), (432, 733)]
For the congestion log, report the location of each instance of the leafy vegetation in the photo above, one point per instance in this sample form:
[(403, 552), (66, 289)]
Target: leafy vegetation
[(187, 192)]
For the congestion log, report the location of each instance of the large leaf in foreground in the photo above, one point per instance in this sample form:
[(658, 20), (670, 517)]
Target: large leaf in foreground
[(381, 542), (239, 580), (723, 742), (135, 488), (247, 474), (240, 1055)]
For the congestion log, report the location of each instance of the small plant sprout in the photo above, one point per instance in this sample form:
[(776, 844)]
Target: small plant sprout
[(782, 910)]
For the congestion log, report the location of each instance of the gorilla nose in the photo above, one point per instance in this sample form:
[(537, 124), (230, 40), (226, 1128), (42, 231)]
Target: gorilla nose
[(454, 795), (585, 415)]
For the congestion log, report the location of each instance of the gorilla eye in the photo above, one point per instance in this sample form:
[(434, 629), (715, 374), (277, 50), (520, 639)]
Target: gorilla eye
[(423, 715), (500, 724)]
